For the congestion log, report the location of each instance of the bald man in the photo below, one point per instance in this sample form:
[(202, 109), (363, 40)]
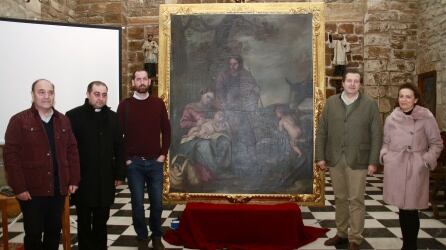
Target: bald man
[(42, 165)]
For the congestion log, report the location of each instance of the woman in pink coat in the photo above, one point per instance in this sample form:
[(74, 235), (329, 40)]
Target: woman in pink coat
[(412, 144)]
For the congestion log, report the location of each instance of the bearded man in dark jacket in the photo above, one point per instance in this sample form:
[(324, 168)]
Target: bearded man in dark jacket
[(99, 137)]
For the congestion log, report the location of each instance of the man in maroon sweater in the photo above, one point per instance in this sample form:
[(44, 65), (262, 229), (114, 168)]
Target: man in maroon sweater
[(143, 118)]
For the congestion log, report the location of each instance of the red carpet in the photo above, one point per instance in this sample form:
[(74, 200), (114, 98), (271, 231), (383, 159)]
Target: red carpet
[(242, 227)]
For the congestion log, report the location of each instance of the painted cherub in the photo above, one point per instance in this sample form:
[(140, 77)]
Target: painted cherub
[(288, 123)]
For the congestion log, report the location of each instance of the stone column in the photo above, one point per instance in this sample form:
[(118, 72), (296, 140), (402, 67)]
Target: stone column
[(390, 42)]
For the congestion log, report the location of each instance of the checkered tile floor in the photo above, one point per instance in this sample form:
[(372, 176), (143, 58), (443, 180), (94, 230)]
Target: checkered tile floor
[(381, 224)]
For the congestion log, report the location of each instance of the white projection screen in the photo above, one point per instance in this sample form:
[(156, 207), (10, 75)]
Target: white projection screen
[(68, 55)]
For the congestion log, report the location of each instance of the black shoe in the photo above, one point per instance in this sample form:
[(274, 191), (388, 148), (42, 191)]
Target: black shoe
[(157, 243)]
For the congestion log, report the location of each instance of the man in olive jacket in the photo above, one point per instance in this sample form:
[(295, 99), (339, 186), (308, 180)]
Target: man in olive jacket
[(99, 138), (348, 141)]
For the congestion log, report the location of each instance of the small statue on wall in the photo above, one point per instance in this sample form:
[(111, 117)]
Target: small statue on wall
[(341, 47), (150, 49)]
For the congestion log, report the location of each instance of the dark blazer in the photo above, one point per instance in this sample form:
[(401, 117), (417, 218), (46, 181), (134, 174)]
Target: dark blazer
[(99, 138), (27, 154)]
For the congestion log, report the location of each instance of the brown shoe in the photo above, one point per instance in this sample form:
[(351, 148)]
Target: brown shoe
[(336, 241), (143, 244), (157, 243), (353, 246)]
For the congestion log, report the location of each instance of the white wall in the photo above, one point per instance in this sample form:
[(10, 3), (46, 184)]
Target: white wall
[(68, 56)]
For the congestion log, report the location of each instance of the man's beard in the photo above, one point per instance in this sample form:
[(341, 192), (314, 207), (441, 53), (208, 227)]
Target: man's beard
[(142, 89)]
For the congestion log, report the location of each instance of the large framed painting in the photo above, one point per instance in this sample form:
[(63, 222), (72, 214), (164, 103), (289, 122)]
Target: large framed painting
[(243, 84)]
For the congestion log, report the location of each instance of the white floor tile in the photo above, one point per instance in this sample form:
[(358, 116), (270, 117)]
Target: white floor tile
[(423, 234), (304, 209), (431, 223), (372, 189), (324, 215), (392, 208), (17, 239), (378, 197), (122, 200), (165, 213), (442, 240), (16, 227), (372, 203), (330, 197), (179, 207), (129, 231), (383, 215), (372, 223), (385, 243), (120, 220), (122, 248)]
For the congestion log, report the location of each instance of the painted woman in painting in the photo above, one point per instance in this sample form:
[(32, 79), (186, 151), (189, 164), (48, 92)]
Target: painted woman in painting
[(205, 154), (238, 94)]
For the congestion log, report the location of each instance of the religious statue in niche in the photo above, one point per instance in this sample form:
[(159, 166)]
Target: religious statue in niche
[(341, 47), (150, 49)]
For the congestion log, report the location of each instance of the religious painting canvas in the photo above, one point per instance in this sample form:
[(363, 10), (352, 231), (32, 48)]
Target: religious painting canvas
[(241, 83)]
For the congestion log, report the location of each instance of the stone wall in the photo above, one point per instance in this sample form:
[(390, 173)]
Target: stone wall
[(20, 9), (344, 18), (353, 33), (49, 10), (390, 42), (106, 12), (141, 20), (431, 50), (58, 10)]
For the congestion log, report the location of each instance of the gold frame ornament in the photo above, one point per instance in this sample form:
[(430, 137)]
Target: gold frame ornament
[(171, 80)]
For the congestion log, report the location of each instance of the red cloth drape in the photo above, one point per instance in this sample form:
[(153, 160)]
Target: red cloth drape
[(242, 226)]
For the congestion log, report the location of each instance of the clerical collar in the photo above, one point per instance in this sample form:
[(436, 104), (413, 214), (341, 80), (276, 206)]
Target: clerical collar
[(46, 118), (140, 96), (347, 100), (97, 110)]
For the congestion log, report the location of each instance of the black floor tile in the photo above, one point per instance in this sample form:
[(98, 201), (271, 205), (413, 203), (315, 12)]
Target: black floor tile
[(126, 213), (116, 229), (429, 244), (377, 233), (436, 232)]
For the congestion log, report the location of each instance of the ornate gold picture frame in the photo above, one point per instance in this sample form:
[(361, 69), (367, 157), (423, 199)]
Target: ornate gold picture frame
[(243, 85)]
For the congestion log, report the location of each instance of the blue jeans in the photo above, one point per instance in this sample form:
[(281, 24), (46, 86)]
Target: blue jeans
[(140, 173)]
